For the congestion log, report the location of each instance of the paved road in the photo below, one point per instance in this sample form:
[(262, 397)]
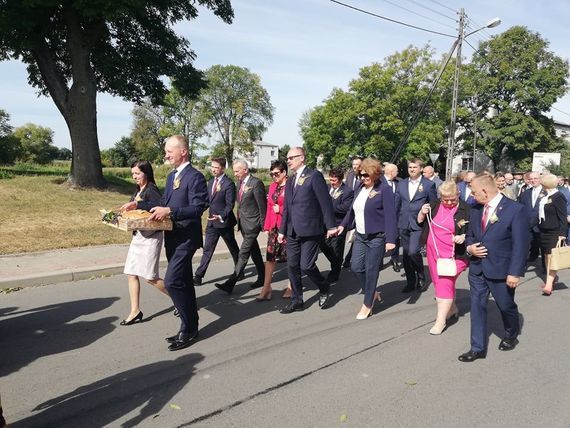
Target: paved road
[(66, 362)]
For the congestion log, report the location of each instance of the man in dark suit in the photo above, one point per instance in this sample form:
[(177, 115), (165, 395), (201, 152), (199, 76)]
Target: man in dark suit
[(221, 218), (429, 173), (465, 189), (353, 182), (531, 199), (411, 194), (307, 211), (184, 200), (392, 180), (333, 247), (252, 206), (497, 240)]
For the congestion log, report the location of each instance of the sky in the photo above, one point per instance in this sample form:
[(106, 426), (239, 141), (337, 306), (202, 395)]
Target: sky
[(302, 49)]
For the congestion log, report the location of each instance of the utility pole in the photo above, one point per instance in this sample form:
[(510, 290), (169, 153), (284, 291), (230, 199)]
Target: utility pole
[(451, 145)]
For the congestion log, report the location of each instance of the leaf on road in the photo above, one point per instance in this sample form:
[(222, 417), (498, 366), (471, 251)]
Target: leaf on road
[(343, 417), (411, 382), (175, 407)]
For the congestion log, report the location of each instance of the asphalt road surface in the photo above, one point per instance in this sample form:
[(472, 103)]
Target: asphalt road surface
[(66, 362)]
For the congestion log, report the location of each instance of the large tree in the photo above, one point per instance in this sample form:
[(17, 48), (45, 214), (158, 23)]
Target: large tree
[(147, 135), (239, 107), (75, 48), (9, 145), (514, 81), (36, 144), (371, 117)]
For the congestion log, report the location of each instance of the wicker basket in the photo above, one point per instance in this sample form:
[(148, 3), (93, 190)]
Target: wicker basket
[(137, 220)]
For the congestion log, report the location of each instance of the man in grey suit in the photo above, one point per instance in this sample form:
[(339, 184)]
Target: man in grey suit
[(252, 206), (429, 173)]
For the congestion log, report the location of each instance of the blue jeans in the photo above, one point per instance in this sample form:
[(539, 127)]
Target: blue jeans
[(367, 254)]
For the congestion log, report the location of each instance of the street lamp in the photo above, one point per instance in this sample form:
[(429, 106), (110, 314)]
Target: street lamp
[(451, 146)]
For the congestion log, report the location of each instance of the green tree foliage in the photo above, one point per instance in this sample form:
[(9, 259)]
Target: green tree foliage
[(36, 144), (514, 80), (147, 134), (283, 150), (9, 145), (239, 108), (76, 48), (372, 116), (122, 154)]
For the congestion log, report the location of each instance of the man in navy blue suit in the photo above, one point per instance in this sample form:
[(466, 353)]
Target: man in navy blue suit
[(307, 212), (497, 241), (392, 180), (531, 199), (465, 189), (184, 200), (411, 194), (221, 218), (341, 197)]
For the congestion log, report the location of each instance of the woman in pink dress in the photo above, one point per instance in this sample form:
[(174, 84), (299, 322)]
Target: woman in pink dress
[(445, 224)]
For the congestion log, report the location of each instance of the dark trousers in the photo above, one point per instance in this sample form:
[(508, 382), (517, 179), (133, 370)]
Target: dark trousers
[(178, 282), (333, 249), (301, 258), (504, 297), (367, 254), (249, 247), (535, 249), (348, 257), (411, 258), (213, 234)]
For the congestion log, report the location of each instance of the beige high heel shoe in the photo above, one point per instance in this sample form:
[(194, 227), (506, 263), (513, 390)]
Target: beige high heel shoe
[(365, 311), (437, 330)]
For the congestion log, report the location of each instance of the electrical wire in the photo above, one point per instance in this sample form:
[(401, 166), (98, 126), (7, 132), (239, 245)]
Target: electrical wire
[(392, 20), (558, 110), (433, 10), (444, 6), (416, 13)]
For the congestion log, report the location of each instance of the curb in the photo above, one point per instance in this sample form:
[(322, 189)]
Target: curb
[(70, 275)]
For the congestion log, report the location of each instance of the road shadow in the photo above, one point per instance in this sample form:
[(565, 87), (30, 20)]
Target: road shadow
[(50, 330), (103, 402)]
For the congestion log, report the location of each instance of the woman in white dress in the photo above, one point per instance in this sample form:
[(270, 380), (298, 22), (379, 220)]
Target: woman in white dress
[(144, 251)]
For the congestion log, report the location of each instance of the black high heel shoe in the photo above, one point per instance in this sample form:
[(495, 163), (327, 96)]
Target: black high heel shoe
[(137, 318)]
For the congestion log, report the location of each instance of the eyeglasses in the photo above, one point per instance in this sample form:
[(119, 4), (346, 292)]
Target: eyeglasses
[(293, 157), (275, 173), (365, 175)]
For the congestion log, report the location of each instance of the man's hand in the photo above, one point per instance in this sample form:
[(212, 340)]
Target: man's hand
[(339, 230), (459, 239), (159, 213), (332, 232), (390, 246), (215, 217), (280, 238), (276, 208), (129, 206), (512, 281), (425, 208), (477, 250)]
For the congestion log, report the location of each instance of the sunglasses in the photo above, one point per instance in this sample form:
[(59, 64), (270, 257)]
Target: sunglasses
[(275, 174), (364, 175), (293, 157)]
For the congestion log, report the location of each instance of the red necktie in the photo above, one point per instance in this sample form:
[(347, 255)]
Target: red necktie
[(240, 194), (215, 187), (484, 218)]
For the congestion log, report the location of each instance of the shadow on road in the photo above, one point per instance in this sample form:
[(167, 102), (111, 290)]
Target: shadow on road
[(105, 401), (49, 330)]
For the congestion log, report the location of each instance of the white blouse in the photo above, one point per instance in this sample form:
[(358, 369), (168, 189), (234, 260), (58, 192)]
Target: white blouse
[(358, 208)]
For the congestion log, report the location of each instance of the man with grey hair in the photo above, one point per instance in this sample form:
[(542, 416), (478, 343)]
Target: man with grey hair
[(391, 179), (429, 173), (252, 206), (531, 199)]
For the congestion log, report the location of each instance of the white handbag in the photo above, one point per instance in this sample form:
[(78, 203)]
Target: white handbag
[(445, 266)]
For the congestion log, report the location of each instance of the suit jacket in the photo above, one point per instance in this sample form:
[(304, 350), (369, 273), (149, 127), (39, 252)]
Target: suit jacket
[(555, 215), (462, 185), (566, 194), (408, 209), (506, 239), (222, 203), (349, 181), (308, 208), (341, 202), (379, 212), (252, 206), (461, 220), (187, 198), (526, 199), (437, 181), (149, 193)]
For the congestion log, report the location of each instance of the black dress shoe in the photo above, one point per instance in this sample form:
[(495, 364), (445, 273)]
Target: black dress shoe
[(176, 312), (137, 318), (324, 300), (421, 284), (183, 340), (471, 356), (332, 277), (179, 336), (293, 306), (197, 280), (241, 277), (396, 266), (228, 288), (256, 284), (408, 289), (508, 344)]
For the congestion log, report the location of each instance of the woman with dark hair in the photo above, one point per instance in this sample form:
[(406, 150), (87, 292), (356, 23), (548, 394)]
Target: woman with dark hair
[(373, 215), (275, 200), (144, 251)]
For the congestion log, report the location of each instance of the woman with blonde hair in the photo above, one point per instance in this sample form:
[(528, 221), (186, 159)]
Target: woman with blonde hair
[(553, 225), (444, 236)]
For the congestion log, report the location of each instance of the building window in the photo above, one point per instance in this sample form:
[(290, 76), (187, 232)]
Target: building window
[(272, 153), (467, 164)]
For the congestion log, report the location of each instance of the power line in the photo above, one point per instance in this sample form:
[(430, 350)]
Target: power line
[(558, 110), (444, 6), (392, 20), (433, 10), (416, 13)]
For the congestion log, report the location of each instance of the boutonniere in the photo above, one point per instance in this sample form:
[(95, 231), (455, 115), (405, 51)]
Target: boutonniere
[(372, 194), (301, 180), (541, 195), (138, 198), (548, 201), (176, 184), (494, 219), (218, 187), (246, 189), (462, 223), (337, 194), (420, 188)]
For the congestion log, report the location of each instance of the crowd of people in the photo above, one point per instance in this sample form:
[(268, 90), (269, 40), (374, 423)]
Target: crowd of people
[(492, 225)]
